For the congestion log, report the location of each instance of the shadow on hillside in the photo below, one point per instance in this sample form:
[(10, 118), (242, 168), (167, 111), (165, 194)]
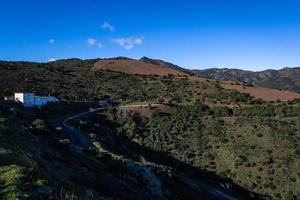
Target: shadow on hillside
[(191, 178), (2, 188), (194, 178)]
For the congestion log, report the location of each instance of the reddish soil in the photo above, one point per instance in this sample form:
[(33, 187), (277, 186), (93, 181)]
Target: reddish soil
[(262, 93), (142, 68), (135, 67)]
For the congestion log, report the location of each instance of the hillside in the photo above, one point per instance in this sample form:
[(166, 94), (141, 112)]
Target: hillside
[(167, 136), (260, 92), (159, 67), (255, 146), (75, 80), (285, 79), (38, 162), (135, 67), (164, 63), (93, 80)]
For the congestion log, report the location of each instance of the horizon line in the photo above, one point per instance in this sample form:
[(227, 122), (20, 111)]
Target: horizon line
[(138, 59)]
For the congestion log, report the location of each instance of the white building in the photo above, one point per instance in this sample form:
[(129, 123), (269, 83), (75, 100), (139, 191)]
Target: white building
[(30, 100), (26, 98)]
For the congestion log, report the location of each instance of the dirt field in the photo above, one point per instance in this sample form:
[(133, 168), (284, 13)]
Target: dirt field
[(262, 93)]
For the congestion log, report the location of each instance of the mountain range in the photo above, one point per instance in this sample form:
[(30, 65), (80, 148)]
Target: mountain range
[(283, 79)]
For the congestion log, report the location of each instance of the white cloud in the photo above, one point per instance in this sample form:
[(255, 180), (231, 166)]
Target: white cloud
[(91, 41), (108, 27), (51, 41), (52, 59), (94, 42), (128, 43)]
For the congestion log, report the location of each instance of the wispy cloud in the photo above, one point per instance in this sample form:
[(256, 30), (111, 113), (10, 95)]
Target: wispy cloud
[(52, 59), (91, 41), (128, 43), (99, 45), (51, 41), (94, 42), (107, 27)]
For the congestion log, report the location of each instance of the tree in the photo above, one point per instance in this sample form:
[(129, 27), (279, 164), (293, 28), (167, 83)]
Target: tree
[(39, 126)]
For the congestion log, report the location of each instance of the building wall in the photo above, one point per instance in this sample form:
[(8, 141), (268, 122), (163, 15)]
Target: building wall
[(41, 101), (30, 100), (19, 97), (38, 101)]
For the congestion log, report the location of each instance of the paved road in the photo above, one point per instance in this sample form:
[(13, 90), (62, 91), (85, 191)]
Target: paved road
[(73, 133), (221, 195)]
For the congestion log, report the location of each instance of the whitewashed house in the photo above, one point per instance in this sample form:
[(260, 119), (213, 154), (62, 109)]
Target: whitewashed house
[(30, 100), (27, 99)]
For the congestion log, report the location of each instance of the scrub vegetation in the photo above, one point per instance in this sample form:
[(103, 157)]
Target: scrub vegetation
[(159, 137)]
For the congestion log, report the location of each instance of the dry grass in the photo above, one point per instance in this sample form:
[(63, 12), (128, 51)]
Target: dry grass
[(262, 93), (142, 68), (135, 67)]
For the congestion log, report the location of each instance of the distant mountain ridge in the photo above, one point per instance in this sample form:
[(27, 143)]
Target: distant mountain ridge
[(165, 64), (286, 78)]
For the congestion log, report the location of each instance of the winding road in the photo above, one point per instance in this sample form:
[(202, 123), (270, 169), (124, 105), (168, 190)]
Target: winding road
[(73, 133), (76, 138)]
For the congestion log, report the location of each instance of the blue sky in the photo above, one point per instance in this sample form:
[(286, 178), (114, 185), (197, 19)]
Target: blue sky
[(247, 34)]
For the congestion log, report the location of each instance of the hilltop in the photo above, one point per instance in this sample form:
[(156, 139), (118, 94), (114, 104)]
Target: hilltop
[(131, 66), (164, 63)]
